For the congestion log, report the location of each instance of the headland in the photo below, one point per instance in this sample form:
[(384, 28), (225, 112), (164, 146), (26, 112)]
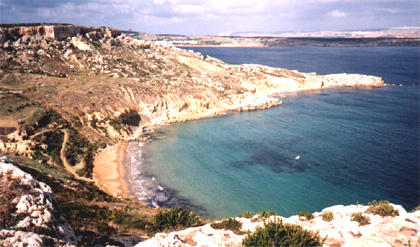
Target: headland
[(78, 93)]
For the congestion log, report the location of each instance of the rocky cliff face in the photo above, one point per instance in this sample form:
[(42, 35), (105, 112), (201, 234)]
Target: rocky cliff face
[(29, 211), (11, 33), (401, 230)]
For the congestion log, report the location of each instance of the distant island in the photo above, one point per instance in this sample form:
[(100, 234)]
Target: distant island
[(404, 36)]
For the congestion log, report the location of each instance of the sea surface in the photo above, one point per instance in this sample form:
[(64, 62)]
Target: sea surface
[(355, 145)]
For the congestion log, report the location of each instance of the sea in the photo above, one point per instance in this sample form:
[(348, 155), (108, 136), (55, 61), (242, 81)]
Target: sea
[(319, 148)]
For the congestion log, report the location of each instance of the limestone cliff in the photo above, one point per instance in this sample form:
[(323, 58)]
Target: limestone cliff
[(12, 32), (402, 230)]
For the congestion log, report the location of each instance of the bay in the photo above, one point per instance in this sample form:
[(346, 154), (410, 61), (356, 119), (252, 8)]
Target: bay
[(355, 145)]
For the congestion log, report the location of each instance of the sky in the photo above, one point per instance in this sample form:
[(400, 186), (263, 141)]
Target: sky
[(211, 17)]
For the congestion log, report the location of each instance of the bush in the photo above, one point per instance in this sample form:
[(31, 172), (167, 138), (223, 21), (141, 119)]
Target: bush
[(307, 215), (359, 217), (246, 214), (174, 219), (275, 233), (382, 208), (266, 214), (229, 224), (416, 209), (327, 216)]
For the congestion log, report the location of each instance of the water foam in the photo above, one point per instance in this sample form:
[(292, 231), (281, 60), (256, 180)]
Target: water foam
[(144, 186)]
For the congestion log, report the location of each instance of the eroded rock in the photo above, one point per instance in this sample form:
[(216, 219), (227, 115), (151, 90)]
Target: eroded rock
[(33, 217), (340, 231)]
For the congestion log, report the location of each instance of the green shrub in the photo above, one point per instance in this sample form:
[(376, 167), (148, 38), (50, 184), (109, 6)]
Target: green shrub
[(416, 209), (275, 233), (307, 215), (174, 219), (246, 214), (266, 214), (359, 217), (327, 216), (229, 224), (382, 208)]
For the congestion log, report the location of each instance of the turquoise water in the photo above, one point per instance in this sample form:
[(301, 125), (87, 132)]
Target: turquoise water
[(355, 145)]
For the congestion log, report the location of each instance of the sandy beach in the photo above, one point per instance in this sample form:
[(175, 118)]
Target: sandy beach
[(109, 173)]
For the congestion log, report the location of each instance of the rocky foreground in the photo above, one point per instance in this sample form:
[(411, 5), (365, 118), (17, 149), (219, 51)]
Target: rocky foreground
[(402, 230), (31, 216), (29, 211)]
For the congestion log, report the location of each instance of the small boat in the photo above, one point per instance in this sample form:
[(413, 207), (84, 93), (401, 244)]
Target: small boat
[(297, 157)]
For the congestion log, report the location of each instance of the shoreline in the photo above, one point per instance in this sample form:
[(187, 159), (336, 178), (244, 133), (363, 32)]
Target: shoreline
[(109, 172)]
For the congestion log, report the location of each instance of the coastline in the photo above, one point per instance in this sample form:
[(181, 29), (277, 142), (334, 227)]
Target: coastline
[(109, 172)]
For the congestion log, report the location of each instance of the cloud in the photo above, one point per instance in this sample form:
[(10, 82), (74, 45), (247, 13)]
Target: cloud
[(391, 11), (216, 16), (337, 14)]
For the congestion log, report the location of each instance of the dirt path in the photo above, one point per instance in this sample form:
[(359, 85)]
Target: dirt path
[(8, 122), (40, 133), (68, 167)]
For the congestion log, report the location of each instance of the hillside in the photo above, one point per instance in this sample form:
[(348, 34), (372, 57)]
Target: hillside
[(68, 91), (102, 87)]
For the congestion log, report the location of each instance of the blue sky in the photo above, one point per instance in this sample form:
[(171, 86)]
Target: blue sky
[(217, 16)]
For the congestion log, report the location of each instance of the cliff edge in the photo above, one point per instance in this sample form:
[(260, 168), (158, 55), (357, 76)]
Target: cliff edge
[(340, 230)]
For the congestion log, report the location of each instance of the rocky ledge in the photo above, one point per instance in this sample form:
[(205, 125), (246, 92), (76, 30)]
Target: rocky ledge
[(341, 230), (12, 32), (29, 211)]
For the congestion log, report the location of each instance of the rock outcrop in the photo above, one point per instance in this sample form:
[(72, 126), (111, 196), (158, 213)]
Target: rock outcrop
[(29, 211), (401, 230), (11, 33)]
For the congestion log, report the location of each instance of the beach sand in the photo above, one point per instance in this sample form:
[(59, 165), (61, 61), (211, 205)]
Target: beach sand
[(109, 173)]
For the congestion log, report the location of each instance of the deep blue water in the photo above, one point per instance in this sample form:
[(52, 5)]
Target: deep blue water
[(394, 64), (355, 145)]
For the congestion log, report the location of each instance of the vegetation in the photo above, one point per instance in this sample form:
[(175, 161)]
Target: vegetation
[(48, 146), (9, 190), (76, 147), (246, 214), (94, 215), (275, 233), (175, 218), (229, 224), (382, 208), (327, 216), (267, 214), (359, 217), (307, 215), (115, 124), (416, 209)]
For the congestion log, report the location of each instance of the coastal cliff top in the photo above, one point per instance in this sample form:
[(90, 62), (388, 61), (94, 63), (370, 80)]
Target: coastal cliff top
[(34, 24), (52, 31), (352, 225), (104, 86)]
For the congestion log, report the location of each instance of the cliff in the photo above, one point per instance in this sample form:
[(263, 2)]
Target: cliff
[(341, 230), (11, 32)]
